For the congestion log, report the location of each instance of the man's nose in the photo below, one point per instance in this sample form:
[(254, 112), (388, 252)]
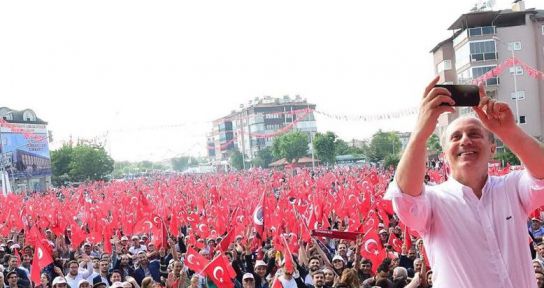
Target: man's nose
[(465, 139)]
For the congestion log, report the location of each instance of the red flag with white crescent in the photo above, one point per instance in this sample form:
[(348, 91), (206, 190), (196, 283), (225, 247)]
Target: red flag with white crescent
[(41, 259), (218, 271), (195, 261)]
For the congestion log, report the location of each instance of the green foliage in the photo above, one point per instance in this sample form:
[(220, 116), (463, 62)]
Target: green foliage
[(80, 163), (60, 164), (182, 163), (291, 146), (507, 157), (237, 160), (433, 145), (391, 160), (383, 144), (264, 158), (90, 163), (324, 147)]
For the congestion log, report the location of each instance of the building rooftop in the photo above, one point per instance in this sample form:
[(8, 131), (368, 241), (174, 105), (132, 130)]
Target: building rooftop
[(500, 18), (20, 116)]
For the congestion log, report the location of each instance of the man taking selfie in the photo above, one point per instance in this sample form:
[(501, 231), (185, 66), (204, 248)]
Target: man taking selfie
[(474, 226)]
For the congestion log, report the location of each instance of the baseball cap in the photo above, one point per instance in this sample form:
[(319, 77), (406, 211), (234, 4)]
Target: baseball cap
[(248, 276), (381, 225), (59, 280), (135, 237), (116, 285), (260, 263), (383, 231), (536, 219), (337, 257), (82, 281), (124, 238), (86, 244)]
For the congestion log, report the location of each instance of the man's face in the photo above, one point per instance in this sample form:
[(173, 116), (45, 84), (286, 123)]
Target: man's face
[(73, 269), (540, 250), (366, 267), (87, 249), (260, 270), (417, 265), (115, 277), (412, 254), (248, 283), (342, 249), (319, 279), (468, 147), (104, 266), (383, 236), (125, 260), (142, 258), (12, 263), (539, 279), (537, 267), (313, 265)]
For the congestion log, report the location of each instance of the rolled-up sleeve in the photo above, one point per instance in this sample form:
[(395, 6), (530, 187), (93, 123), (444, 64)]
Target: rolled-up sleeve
[(412, 211), (531, 191)]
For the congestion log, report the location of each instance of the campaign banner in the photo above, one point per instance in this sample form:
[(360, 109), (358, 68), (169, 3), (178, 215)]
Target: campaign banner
[(336, 234), (24, 156)]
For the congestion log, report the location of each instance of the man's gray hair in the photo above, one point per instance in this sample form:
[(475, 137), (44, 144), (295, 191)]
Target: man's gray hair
[(400, 273), (444, 141)]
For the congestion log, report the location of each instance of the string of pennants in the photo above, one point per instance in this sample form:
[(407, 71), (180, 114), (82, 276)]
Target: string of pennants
[(510, 62)]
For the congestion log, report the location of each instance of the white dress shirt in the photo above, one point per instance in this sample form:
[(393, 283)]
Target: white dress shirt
[(475, 242)]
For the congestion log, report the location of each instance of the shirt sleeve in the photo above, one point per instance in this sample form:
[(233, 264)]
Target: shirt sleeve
[(531, 191), (412, 211)]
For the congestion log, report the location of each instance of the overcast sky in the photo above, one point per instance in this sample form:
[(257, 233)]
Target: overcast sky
[(150, 76)]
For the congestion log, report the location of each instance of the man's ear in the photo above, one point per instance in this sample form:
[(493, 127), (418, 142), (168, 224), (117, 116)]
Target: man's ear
[(493, 150)]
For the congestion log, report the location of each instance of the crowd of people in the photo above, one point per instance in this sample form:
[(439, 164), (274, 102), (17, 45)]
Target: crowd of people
[(261, 222)]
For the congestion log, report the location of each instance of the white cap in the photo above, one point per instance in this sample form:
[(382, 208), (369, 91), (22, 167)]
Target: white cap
[(383, 231), (86, 244), (116, 285), (248, 276), (135, 237), (381, 225), (124, 238), (260, 263), (337, 257), (83, 281), (15, 246), (59, 280)]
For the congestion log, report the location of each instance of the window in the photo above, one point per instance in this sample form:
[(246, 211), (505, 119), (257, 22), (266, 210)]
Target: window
[(522, 120), (443, 66), (520, 95), (477, 31), (482, 51), (516, 46), (517, 70)]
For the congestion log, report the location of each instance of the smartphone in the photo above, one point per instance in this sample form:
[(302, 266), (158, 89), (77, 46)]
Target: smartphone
[(463, 95)]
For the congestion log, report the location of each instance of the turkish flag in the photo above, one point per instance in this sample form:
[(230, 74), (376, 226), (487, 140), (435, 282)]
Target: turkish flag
[(41, 259), (395, 242), (195, 261), (288, 257), (225, 242), (218, 271), (372, 249), (407, 238), (258, 218)]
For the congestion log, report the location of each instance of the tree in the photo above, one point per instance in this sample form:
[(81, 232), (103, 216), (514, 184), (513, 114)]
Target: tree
[(391, 160), (507, 157), (291, 146), (383, 144), (433, 145), (60, 165), (90, 163), (264, 158), (237, 160), (182, 163), (324, 147)]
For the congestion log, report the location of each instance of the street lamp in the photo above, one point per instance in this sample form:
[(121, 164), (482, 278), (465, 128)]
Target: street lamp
[(511, 48)]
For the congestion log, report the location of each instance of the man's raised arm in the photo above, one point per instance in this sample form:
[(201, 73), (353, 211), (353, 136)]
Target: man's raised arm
[(411, 169)]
